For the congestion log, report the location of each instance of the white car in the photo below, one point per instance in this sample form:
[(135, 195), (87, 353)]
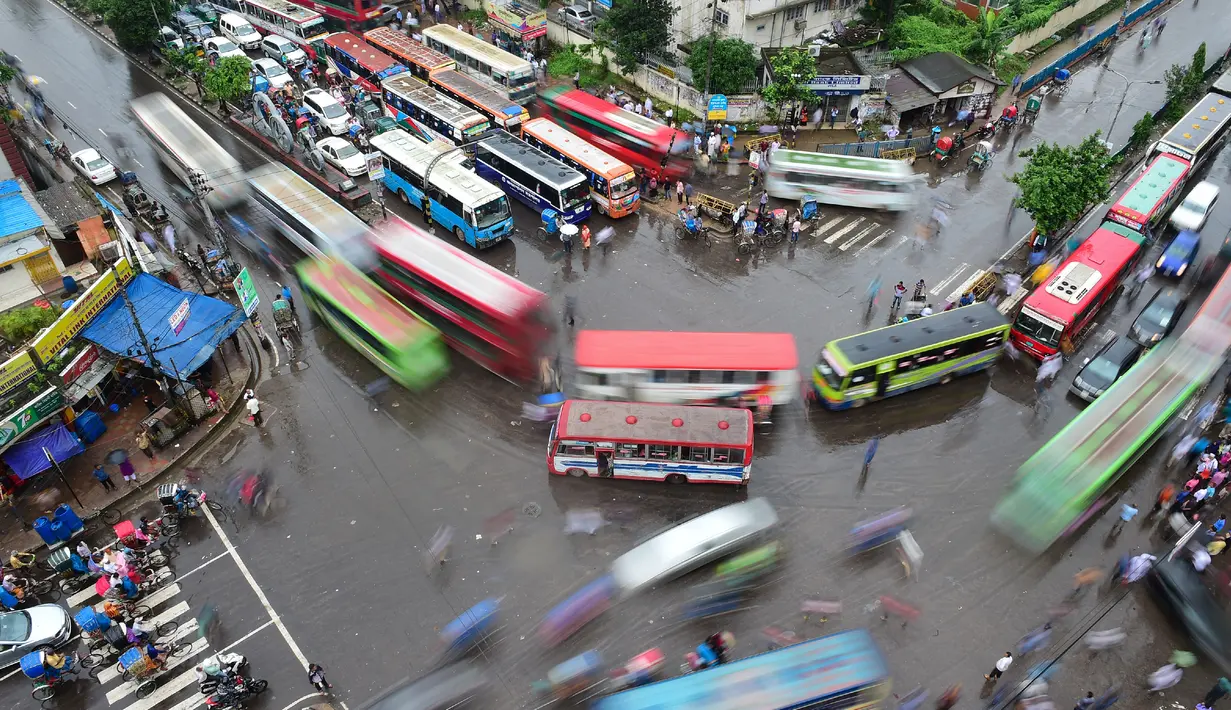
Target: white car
[(331, 114), (222, 46), (24, 631), (577, 17), (274, 73), (94, 166), (1195, 209), (344, 156), (281, 49)]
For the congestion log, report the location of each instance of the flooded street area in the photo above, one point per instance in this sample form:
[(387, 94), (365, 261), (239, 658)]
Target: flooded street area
[(366, 472)]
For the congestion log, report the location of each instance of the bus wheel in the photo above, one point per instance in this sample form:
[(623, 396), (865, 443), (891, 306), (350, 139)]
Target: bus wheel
[(859, 402), (946, 379), (405, 198), (457, 231), (576, 472), (677, 478)]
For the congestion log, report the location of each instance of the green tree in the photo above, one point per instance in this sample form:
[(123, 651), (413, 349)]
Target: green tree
[(7, 73), (1178, 89), (229, 79), (732, 67), (1141, 131), (636, 28), (791, 68), (1059, 182), (21, 324), (928, 28), (991, 37), (1196, 72), (135, 24)]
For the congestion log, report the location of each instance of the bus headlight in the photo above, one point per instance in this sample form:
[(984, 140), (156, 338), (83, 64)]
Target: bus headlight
[(1159, 264), (1180, 271)]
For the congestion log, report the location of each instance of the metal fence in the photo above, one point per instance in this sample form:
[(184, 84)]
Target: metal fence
[(1034, 80), (873, 149)]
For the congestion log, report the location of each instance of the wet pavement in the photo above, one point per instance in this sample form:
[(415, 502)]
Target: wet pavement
[(365, 480)]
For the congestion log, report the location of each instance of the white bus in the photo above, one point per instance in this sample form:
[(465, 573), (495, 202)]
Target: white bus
[(474, 210), (731, 369), (189, 151), (315, 224), (430, 114), (852, 181), (474, 56)]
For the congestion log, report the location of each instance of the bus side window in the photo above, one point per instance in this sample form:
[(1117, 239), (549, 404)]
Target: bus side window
[(906, 363), (677, 377), (762, 377), (660, 452), (859, 377), (728, 377), (722, 456), (736, 456), (575, 450), (743, 377), (658, 376), (630, 451), (700, 454), (470, 218), (694, 376), (711, 377)]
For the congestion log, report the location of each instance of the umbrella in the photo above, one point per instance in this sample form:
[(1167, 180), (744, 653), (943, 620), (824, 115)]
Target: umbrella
[(33, 80), (963, 115), (117, 457), (1183, 659)]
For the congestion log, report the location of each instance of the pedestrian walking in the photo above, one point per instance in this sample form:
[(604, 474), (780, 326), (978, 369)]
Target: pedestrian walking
[(1128, 511), (254, 410), (143, 443), (570, 309), (898, 292), (833, 116), (577, 79), (104, 478), (949, 698), (1165, 677), (604, 237), (1002, 665), (795, 226), (679, 192), (1164, 499), (1085, 702), (1220, 523), (316, 674), (688, 193), (567, 238), (919, 289), (438, 14), (1216, 693), (585, 236)]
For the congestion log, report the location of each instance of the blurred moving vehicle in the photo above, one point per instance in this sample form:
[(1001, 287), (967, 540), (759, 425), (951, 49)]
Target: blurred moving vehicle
[(693, 543), (1182, 594), (1100, 372), (453, 686), (1179, 254), (94, 166), (1159, 316), (852, 181), (28, 629), (1192, 213)]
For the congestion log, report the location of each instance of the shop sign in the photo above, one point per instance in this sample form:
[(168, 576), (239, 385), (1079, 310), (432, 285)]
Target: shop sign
[(83, 310), (838, 84), (30, 416), (529, 26), (717, 109), (376, 166), (17, 370), (248, 297), (179, 316), (80, 364)]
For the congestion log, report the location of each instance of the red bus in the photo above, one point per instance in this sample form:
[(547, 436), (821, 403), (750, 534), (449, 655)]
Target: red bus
[(354, 15), (1148, 200), (420, 59), (482, 312), (634, 139), (359, 61), (1058, 312)]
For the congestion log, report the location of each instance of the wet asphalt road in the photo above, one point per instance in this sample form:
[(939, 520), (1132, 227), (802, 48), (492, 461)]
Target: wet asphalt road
[(365, 480)]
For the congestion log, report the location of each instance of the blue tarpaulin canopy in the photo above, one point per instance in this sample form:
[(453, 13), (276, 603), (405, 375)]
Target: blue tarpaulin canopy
[(28, 459), (160, 309)]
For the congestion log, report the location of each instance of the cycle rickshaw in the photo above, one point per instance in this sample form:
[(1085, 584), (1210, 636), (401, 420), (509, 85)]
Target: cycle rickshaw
[(46, 669), (286, 325), (140, 666)]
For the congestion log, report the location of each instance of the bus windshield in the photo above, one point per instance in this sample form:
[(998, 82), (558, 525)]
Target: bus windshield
[(624, 185), (491, 213), (575, 195), (1039, 328), (832, 378)]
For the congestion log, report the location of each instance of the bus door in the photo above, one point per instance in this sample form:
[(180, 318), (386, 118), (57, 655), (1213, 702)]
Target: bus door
[(604, 451), (882, 381)]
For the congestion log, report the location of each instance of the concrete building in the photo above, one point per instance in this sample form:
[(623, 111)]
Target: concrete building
[(29, 267), (762, 23)]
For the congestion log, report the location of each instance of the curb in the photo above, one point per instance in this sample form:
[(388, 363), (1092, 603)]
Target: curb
[(224, 424)]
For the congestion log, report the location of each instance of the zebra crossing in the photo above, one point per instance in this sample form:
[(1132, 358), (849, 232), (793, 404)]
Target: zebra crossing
[(849, 231)]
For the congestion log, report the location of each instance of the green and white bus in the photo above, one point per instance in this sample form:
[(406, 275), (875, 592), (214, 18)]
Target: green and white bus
[(852, 181), (373, 322), (857, 369)]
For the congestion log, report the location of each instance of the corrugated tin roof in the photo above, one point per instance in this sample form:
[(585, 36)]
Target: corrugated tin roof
[(65, 204), (16, 214), (904, 93)]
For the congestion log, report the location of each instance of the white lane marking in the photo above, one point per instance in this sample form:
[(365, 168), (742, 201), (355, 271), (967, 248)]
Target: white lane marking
[(838, 234), (193, 700), (85, 595), (827, 226), (154, 599), (70, 103), (243, 568), (175, 611), (855, 239), (970, 281), (874, 241), (297, 703), (247, 636), (956, 272), (206, 563), (111, 673), (177, 683), (138, 162), (102, 132)]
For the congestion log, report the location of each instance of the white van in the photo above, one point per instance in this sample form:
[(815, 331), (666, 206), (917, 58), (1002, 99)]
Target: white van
[(692, 544), (1195, 209), (237, 29)]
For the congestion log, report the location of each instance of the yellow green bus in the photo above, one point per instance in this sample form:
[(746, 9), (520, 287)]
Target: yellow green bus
[(858, 369), (374, 323)]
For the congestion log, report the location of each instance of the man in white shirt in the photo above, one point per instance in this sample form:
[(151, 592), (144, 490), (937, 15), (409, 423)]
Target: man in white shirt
[(254, 409), (649, 107), (1002, 665)]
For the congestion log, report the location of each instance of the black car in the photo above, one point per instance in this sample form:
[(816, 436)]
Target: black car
[(1158, 318), (1181, 592), (1101, 371)]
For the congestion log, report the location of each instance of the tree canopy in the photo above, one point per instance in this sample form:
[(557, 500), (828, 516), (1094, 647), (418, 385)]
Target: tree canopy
[(990, 39), (1059, 182), (732, 67), (135, 24), (636, 28), (930, 27), (229, 78), (21, 324), (791, 68)]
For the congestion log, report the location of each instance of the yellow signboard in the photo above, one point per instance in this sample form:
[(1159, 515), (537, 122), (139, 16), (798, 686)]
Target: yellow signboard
[(88, 305), (17, 370)]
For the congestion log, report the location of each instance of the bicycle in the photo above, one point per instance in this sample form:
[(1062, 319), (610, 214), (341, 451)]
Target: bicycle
[(97, 660), (95, 523)]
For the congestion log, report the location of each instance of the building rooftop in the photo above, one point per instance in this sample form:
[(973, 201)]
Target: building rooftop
[(16, 215), (941, 71), (65, 205)]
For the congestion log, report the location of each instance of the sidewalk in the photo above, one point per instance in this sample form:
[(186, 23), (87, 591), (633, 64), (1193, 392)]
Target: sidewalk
[(49, 490)]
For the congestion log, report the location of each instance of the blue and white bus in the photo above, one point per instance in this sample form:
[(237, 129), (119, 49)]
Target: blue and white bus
[(532, 176), (429, 114), (476, 211)]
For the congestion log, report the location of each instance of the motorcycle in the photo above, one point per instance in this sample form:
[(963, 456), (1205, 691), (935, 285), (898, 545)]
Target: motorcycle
[(235, 692), (220, 669)]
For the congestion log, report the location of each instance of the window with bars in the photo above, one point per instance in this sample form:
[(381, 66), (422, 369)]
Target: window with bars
[(721, 17), (822, 5), (795, 13)]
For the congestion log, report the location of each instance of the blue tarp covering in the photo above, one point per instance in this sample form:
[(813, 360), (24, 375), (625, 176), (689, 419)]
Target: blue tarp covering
[(209, 322), (16, 214), (27, 458)]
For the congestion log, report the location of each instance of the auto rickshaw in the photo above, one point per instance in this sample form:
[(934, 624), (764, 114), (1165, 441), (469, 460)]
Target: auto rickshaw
[(1033, 105), (943, 150), (749, 566), (573, 677), (367, 113), (982, 156), (1061, 81)]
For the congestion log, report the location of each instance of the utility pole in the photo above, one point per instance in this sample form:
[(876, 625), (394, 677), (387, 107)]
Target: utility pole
[(709, 65), (145, 343), (201, 188)]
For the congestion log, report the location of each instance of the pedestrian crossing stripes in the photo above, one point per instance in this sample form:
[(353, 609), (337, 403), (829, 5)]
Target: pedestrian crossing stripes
[(187, 677), (855, 239), (848, 232), (874, 241), (940, 287), (85, 595), (838, 234)]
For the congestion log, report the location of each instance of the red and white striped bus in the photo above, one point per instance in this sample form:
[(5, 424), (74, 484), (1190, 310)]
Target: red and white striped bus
[(420, 59), (298, 24), (482, 312), (686, 368), (359, 61)]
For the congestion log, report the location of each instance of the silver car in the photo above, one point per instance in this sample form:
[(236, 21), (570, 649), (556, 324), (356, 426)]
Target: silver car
[(577, 17), (30, 629)]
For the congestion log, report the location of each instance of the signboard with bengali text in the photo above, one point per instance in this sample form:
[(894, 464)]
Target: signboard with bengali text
[(717, 109), (15, 371), (30, 416), (88, 304), (80, 364), (248, 297)]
